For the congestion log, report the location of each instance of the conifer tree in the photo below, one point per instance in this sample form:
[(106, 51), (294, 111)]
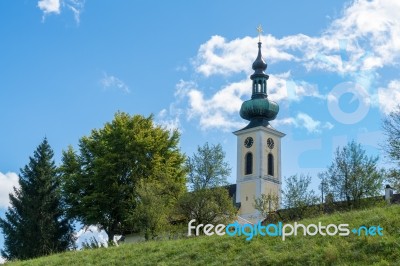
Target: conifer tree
[(35, 224)]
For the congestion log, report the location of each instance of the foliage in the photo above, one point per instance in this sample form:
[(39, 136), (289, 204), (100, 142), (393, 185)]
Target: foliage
[(100, 183), (216, 250), (297, 197), (92, 243), (152, 209), (207, 168), (353, 175), (212, 206), (391, 128), (267, 204), (35, 224), (324, 187)]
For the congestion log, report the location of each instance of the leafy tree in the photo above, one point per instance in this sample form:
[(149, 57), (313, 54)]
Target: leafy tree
[(100, 183), (326, 196), (35, 224), (267, 204), (152, 213), (323, 186), (297, 197), (207, 167), (208, 202), (391, 128), (353, 175), (212, 206)]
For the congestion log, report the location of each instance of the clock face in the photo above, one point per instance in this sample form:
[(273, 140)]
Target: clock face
[(270, 143), (248, 142)]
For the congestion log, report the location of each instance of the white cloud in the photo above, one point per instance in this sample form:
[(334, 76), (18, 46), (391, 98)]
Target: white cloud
[(218, 56), (282, 87), (7, 182), (220, 110), (376, 26), (49, 6), (366, 36), (389, 98), (56, 6), (76, 6), (2, 260), (305, 121), (169, 120), (112, 82)]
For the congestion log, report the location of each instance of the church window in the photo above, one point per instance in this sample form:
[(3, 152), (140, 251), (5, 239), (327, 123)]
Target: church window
[(248, 164), (270, 164)]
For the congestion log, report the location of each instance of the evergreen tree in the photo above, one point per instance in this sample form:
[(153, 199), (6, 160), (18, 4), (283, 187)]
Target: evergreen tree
[(35, 224)]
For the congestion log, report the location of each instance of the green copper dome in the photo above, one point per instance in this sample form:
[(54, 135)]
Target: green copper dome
[(259, 110)]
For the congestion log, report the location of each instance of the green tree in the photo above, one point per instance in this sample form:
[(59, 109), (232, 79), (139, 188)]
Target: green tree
[(267, 204), (391, 128), (209, 201), (154, 210), (297, 197), (100, 183), (35, 223), (353, 175), (207, 206), (207, 167), (323, 186)]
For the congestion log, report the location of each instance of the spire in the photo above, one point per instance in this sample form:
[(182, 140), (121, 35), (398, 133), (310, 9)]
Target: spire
[(259, 65), (259, 110)]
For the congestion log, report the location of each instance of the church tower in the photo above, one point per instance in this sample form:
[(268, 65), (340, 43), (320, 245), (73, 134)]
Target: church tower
[(258, 146)]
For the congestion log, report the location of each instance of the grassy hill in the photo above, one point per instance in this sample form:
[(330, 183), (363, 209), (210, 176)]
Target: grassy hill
[(215, 250)]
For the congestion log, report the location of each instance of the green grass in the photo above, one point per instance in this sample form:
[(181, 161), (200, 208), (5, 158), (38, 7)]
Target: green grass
[(214, 250)]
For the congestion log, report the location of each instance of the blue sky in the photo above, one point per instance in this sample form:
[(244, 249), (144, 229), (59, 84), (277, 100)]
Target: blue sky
[(66, 66)]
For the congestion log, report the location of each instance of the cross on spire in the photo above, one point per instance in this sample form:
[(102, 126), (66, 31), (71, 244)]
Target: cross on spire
[(260, 30)]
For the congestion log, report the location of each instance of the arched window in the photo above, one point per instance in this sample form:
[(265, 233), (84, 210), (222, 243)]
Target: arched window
[(270, 164), (248, 164)]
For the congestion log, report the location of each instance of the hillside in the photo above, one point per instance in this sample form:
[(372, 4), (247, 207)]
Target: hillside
[(215, 250)]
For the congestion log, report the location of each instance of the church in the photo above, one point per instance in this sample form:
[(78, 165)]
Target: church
[(258, 147)]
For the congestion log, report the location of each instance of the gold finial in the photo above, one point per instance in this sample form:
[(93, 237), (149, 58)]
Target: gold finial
[(260, 30)]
